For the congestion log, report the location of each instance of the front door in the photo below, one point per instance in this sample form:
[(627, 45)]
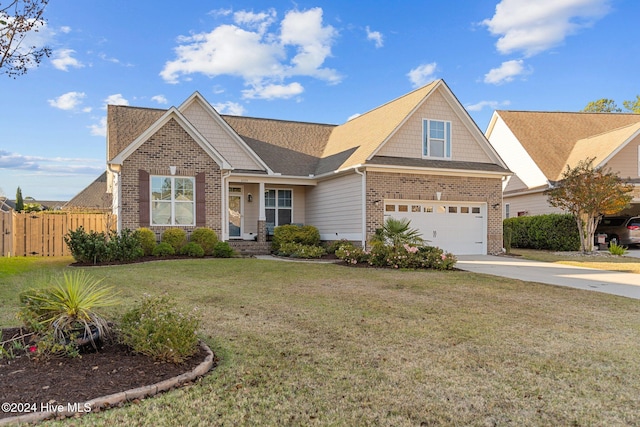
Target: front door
[(235, 212)]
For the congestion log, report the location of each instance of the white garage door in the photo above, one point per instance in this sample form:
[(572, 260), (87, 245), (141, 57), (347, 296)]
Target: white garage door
[(456, 227)]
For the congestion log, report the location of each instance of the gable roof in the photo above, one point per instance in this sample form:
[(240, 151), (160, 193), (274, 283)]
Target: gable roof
[(555, 139), (125, 124), (172, 114), (94, 196)]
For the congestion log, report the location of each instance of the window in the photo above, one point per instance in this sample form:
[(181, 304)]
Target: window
[(278, 206), (507, 210), (172, 200), (403, 208), (390, 208), (436, 139)]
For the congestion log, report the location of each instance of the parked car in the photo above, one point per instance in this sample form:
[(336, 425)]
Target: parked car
[(622, 230)]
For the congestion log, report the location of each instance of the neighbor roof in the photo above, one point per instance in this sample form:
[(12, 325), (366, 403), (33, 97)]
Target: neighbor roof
[(94, 196), (555, 139)]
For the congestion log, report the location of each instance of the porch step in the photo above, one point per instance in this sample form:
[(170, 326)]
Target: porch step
[(248, 247)]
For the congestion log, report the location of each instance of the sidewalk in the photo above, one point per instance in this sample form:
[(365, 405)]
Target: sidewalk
[(611, 282)]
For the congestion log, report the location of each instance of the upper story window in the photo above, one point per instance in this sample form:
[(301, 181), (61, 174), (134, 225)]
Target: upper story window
[(172, 200), (436, 139)]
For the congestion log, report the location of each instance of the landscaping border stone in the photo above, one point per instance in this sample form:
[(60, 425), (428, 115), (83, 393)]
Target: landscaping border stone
[(116, 399)]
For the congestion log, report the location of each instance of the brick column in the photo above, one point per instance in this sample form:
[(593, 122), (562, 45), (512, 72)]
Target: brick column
[(262, 231)]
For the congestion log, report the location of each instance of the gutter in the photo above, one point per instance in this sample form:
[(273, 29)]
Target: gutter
[(363, 174)]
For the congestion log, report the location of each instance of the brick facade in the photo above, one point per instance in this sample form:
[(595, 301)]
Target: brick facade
[(381, 186), (170, 146)]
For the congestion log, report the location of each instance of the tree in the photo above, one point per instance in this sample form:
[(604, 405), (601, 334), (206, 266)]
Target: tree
[(602, 106), (634, 105), (589, 193), (17, 20), (19, 200), (605, 105)]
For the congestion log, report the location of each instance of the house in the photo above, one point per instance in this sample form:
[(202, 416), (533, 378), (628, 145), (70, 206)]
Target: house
[(6, 205), (538, 147), (419, 157), (93, 198)]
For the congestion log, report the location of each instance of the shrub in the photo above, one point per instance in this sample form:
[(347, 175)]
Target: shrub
[(332, 247), (206, 238), (556, 232), (615, 249), (124, 246), (351, 254), (87, 247), (298, 250), (222, 250), (163, 249), (66, 312), (306, 235), (147, 239), (156, 328), (192, 249), (176, 237)]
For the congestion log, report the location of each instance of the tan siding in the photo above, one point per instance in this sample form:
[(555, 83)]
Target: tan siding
[(407, 141), (335, 208), (530, 204), (515, 183), (626, 162), (251, 210), (219, 138)]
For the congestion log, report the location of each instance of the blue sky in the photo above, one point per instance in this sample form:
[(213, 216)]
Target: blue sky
[(316, 61)]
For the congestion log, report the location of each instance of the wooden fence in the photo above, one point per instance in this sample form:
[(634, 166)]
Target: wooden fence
[(42, 234)]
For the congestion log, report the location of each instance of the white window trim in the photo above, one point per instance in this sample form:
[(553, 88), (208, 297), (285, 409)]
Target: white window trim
[(276, 207), (241, 194), (173, 201), (426, 124)]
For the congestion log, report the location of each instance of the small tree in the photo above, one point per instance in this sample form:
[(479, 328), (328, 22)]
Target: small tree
[(17, 20), (589, 193), (19, 200)]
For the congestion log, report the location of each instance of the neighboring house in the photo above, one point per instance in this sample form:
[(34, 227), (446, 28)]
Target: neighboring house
[(94, 198), (6, 205), (538, 147), (420, 157)]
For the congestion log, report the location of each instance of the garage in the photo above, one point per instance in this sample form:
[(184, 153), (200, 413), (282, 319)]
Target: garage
[(456, 227)]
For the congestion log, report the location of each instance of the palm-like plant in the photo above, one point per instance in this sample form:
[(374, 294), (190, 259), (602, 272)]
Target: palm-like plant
[(397, 232), (69, 306)]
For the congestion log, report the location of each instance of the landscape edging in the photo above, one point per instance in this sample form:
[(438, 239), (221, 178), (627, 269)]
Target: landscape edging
[(120, 397)]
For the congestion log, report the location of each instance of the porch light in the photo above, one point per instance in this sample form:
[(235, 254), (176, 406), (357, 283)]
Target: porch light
[(438, 195), (249, 198), (172, 169)]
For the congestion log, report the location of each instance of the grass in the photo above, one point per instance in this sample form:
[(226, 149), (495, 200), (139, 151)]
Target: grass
[(318, 344), (606, 262)]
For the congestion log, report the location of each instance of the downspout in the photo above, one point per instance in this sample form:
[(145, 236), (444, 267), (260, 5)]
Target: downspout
[(115, 204), (363, 174), (225, 209)]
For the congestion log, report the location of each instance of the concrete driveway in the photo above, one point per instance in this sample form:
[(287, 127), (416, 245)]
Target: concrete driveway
[(611, 282)]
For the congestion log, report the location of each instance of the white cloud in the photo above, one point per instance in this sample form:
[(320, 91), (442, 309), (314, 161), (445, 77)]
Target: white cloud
[(65, 29), (422, 74), (375, 36), (17, 161), (532, 27), (68, 101), (231, 108), (116, 99), (249, 48), (353, 116), (100, 128), (63, 60), (492, 105), (160, 99), (505, 73), (273, 91)]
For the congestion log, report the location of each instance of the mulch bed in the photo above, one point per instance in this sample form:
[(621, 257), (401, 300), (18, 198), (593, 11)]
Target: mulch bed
[(63, 380)]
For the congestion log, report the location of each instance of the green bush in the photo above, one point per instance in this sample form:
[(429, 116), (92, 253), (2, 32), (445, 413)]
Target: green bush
[(332, 247), (192, 249), (298, 250), (86, 247), (163, 249), (176, 237), (351, 254), (147, 239), (222, 250), (156, 328), (206, 238), (556, 232), (123, 246), (393, 256), (305, 235)]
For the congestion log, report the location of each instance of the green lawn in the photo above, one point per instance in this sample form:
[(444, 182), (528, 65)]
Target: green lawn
[(319, 344), (602, 262)]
